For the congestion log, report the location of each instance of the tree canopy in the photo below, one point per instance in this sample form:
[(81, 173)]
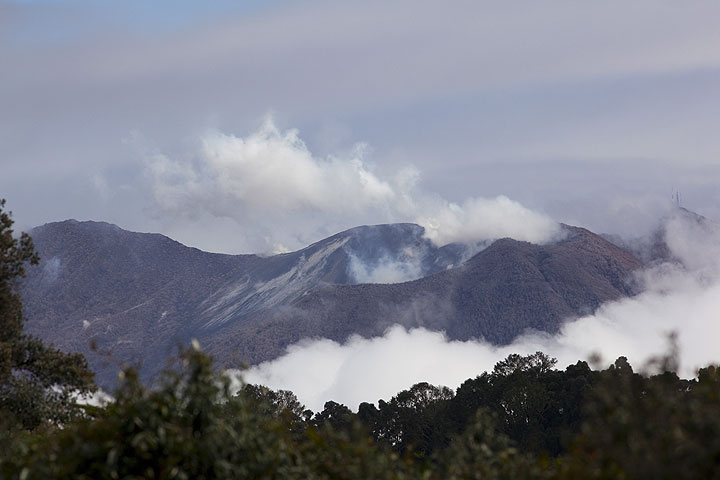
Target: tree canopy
[(37, 382), (624, 425)]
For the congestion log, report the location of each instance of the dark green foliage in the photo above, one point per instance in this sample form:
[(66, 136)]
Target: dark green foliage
[(37, 382), (193, 428), (535, 365), (483, 453), (659, 427), (413, 420), (335, 416), (535, 406), (625, 425), (277, 404), (14, 254)]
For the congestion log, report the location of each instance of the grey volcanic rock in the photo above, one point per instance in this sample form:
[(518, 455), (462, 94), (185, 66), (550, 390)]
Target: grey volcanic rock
[(136, 296)]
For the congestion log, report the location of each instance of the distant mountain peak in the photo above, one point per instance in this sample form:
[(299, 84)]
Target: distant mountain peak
[(137, 294)]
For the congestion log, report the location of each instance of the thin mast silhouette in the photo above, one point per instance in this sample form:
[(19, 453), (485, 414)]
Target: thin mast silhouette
[(676, 197)]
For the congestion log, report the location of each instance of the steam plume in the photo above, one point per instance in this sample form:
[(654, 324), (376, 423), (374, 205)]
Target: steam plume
[(270, 182)]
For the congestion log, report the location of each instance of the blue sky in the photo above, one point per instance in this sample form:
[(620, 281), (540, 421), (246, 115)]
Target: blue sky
[(591, 114)]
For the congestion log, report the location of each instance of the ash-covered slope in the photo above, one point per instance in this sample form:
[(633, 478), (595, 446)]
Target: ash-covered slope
[(507, 288), (382, 252), (137, 295)]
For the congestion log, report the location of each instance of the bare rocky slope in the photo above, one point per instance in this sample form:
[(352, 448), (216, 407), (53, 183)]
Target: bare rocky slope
[(120, 297)]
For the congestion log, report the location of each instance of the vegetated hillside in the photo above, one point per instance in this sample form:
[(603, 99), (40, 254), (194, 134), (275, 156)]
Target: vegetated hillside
[(128, 292), (136, 295), (507, 288)]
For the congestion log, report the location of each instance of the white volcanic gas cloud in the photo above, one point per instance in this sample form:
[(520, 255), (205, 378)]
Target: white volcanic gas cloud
[(269, 171), (270, 182), (485, 218), (272, 170), (695, 242), (387, 270), (681, 299)]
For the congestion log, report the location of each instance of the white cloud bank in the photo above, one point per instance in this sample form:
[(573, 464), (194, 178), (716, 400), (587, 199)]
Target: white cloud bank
[(272, 185), (682, 299)]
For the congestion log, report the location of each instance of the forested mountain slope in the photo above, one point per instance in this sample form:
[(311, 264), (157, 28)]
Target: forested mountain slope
[(135, 296), (496, 295)]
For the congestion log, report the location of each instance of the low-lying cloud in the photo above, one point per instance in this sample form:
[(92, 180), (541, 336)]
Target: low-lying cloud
[(681, 298), (284, 197)]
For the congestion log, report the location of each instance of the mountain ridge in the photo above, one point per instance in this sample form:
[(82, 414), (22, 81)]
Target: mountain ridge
[(462, 301), (139, 295)]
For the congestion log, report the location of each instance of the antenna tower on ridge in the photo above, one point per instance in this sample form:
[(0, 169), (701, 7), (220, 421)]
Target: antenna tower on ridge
[(676, 197)]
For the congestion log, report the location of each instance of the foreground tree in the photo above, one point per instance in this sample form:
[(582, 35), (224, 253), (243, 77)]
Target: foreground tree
[(192, 427), (482, 452), (37, 382), (640, 427)]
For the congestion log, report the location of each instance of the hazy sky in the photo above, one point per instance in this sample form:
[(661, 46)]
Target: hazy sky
[(156, 115)]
